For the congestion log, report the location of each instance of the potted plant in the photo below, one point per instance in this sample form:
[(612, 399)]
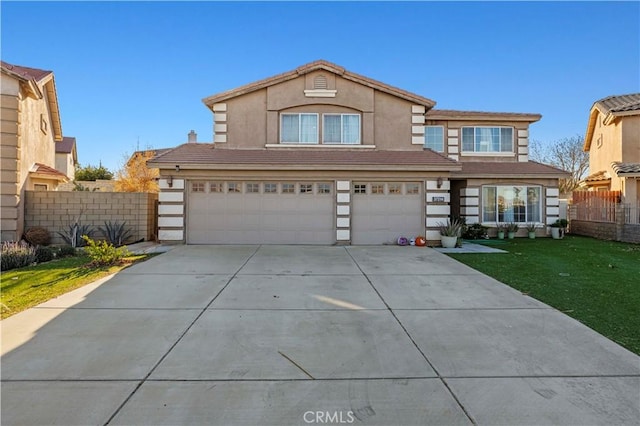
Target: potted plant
[(558, 228), (450, 232), (531, 229), (500, 227), (512, 228)]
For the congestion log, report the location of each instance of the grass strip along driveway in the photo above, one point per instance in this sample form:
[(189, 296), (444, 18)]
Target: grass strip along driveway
[(24, 288), (593, 281)]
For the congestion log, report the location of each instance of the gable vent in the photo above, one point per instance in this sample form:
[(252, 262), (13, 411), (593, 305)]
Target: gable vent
[(320, 82)]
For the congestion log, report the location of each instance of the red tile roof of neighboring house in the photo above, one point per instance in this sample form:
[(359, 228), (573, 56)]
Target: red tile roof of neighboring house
[(626, 169), (601, 176), (44, 170), (450, 114), (205, 155), (511, 169), (26, 72), (317, 65), (65, 146)]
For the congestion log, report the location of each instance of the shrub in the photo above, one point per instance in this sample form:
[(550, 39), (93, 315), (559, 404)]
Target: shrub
[(43, 254), (37, 236), (103, 253), (475, 232), (65, 251), (116, 233), (16, 255)]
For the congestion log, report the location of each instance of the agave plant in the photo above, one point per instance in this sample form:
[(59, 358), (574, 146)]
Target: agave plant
[(73, 234), (116, 233), (453, 228)]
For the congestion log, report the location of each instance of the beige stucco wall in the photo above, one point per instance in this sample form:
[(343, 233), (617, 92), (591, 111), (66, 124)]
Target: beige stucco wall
[(9, 154), (605, 148), (55, 210), (23, 144), (520, 144), (618, 141), (64, 164), (631, 139), (253, 119)]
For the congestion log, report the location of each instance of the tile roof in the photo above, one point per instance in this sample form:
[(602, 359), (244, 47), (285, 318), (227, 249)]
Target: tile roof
[(600, 176), (611, 108), (43, 169), (513, 169), (626, 169), (312, 66), (207, 155), (449, 114), (619, 103), (66, 145), (26, 72)]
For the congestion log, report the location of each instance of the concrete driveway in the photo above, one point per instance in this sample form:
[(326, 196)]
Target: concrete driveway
[(279, 335)]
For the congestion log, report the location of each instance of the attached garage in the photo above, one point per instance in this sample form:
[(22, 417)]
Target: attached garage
[(384, 211), (245, 212)]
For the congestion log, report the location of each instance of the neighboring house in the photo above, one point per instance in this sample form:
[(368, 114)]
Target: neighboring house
[(322, 155), (613, 143), (67, 157), (30, 129)]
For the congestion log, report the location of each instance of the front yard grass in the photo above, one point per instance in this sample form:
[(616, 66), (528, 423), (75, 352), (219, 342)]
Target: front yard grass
[(596, 282), (24, 288)]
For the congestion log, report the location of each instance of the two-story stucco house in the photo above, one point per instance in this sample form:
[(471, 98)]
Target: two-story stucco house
[(613, 143), (67, 156), (30, 129), (322, 155)]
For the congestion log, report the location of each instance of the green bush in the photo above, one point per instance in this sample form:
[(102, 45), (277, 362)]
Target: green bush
[(37, 236), (43, 254), (103, 253), (66, 251), (16, 255), (475, 231)]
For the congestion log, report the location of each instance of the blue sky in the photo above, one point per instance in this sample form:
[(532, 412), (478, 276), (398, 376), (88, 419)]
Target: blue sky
[(131, 73)]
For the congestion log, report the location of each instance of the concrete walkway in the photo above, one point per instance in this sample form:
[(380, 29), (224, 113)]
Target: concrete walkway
[(280, 335)]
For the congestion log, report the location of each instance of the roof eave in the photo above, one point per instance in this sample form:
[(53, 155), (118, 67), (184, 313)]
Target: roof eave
[(531, 118), (314, 66), (591, 125), (510, 175), (307, 167)]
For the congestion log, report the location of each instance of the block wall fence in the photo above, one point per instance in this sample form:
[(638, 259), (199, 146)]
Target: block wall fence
[(56, 210)]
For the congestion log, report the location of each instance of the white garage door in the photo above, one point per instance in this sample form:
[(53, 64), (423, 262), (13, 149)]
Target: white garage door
[(260, 213), (384, 211)]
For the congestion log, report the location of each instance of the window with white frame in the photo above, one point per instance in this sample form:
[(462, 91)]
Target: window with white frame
[(511, 204), (487, 139), (341, 129), (434, 138), (299, 128)]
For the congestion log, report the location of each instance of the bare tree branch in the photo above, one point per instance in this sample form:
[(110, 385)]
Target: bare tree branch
[(565, 154)]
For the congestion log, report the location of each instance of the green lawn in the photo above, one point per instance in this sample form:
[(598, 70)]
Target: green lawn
[(24, 288), (596, 282)]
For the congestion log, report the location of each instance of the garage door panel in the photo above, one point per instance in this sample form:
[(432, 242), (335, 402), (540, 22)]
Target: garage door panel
[(265, 218), (382, 218)]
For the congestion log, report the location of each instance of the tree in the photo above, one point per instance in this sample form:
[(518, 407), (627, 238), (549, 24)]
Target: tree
[(91, 173), (136, 176), (566, 154)]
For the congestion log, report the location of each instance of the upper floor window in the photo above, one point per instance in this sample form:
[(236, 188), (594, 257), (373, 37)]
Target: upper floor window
[(434, 138), (341, 128), (299, 128), (487, 139)]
